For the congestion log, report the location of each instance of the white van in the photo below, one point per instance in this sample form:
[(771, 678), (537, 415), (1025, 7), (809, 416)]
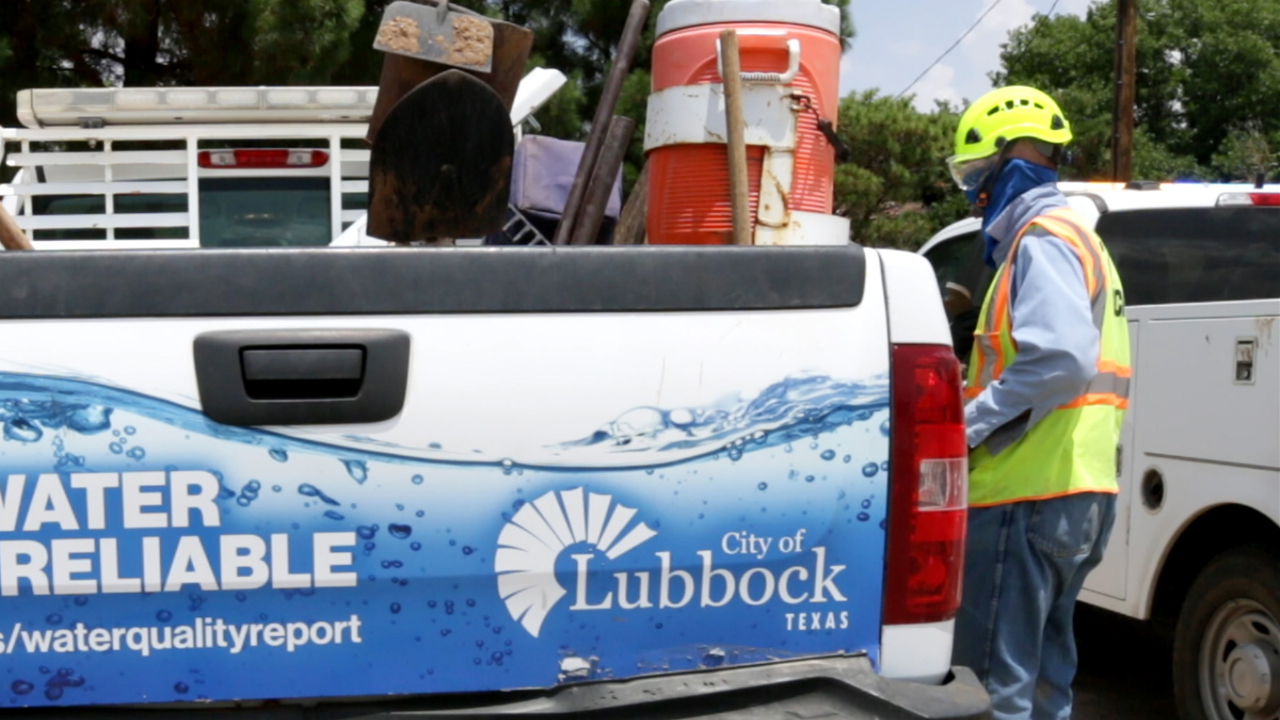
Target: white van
[(1196, 547)]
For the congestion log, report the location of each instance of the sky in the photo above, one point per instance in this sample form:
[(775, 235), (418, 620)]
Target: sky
[(898, 39)]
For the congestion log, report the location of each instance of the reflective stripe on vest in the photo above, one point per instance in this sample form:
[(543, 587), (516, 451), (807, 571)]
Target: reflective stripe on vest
[(1072, 449)]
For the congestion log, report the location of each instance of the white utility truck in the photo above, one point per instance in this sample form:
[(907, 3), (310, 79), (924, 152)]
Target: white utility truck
[(181, 167), (1196, 547), (294, 482)]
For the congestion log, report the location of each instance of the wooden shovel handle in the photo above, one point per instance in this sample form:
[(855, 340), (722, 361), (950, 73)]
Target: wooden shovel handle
[(739, 190), (11, 236)]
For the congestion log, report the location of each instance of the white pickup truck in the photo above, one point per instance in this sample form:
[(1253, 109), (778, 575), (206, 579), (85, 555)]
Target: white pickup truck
[(1196, 546), (296, 482)]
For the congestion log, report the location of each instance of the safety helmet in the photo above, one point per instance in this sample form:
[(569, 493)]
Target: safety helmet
[(1000, 116)]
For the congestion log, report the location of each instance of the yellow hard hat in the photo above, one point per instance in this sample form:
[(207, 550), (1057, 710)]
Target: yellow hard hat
[(1010, 113)]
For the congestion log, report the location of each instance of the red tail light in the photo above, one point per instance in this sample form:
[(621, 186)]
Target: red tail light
[(262, 159), (1265, 199), (928, 487)]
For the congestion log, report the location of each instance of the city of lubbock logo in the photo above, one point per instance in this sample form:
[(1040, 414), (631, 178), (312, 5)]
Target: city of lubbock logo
[(531, 542)]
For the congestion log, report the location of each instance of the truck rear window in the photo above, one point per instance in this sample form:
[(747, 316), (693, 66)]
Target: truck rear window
[(264, 212), (1193, 255)]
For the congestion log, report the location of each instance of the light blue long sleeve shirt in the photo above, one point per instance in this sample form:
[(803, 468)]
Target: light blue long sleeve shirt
[(1053, 328)]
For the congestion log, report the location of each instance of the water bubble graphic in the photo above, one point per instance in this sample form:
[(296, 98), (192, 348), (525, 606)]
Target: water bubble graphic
[(400, 507), (809, 478), (276, 488), (395, 608), (130, 430), (44, 670), (863, 517), (829, 455), (82, 600), (866, 504), (357, 469), (366, 532), (115, 433), (334, 515), (884, 428), (244, 501), (885, 466), (445, 632), (115, 447), (388, 564), (279, 454), (164, 616), (415, 546), (53, 619), (713, 658), (241, 597), (54, 692), (847, 459), (181, 688), (508, 466), (448, 607), (309, 490), (762, 486), (399, 531), (90, 419), (870, 470), (369, 546), (420, 513), (471, 602), (467, 549), (881, 524), (416, 480), (21, 687)]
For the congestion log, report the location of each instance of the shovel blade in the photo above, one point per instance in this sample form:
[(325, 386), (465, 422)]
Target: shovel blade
[(437, 34)]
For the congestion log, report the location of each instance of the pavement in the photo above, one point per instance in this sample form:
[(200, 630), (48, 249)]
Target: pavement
[(1124, 669)]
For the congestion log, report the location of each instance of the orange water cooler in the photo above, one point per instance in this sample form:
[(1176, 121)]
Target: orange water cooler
[(790, 55)]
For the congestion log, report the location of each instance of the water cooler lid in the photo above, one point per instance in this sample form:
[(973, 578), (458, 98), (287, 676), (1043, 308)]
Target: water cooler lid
[(681, 14)]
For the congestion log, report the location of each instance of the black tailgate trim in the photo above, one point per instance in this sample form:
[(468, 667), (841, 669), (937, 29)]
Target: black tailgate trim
[(390, 281)]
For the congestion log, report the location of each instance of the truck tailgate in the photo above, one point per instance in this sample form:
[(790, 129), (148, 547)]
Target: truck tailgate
[(607, 464)]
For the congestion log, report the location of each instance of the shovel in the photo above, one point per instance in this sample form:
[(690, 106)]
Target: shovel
[(437, 34)]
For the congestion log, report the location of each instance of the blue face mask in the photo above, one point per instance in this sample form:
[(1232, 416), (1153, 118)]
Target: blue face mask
[(1016, 177)]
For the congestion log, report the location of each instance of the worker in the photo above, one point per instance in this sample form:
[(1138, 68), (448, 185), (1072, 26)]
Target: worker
[(1047, 388)]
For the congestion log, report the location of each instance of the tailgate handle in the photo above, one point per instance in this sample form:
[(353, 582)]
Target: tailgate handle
[(307, 377), (302, 373)]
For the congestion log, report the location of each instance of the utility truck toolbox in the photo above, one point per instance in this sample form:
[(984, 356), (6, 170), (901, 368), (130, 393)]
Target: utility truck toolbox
[(516, 480)]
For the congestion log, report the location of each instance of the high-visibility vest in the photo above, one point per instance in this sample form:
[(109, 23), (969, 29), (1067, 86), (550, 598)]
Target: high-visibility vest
[(1073, 449)]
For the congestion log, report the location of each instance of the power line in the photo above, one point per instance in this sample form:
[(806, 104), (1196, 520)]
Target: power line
[(954, 45), (1052, 7)]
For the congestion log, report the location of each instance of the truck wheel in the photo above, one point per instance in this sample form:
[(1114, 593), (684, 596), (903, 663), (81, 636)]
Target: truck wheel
[(1226, 651)]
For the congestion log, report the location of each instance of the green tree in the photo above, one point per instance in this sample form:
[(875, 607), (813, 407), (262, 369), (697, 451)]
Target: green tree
[(96, 43), (1207, 69), (896, 189)]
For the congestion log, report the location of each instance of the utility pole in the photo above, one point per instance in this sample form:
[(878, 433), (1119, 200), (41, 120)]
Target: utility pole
[(1126, 89)]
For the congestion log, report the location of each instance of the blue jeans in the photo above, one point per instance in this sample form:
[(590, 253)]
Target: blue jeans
[(1025, 564)]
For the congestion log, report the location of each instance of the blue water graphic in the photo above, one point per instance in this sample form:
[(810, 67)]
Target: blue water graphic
[(428, 588)]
